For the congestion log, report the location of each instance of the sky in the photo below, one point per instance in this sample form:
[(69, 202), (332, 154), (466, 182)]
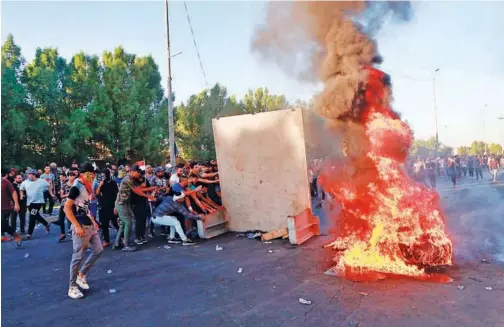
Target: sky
[(461, 39)]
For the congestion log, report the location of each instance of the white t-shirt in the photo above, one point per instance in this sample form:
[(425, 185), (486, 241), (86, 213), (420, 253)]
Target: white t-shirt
[(34, 190), (174, 179)]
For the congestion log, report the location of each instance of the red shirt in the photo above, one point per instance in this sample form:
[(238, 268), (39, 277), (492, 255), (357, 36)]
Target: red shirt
[(493, 164), (7, 190)]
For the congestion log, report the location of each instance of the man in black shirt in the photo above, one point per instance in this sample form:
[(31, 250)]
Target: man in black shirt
[(84, 230), (18, 179), (107, 193)]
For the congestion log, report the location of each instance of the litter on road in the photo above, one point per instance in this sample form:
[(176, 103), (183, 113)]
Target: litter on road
[(303, 301), (26, 255), (218, 248), (270, 251), (363, 293), (460, 287), (488, 288), (486, 260), (112, 291), (166, 247), (109, 271), (267, 242), (240, 270)]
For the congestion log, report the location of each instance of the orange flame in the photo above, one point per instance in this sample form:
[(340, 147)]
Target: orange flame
[(388, 224)]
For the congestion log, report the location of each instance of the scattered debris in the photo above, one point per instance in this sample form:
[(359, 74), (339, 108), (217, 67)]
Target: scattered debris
[(26, 255), (476, 279), (109, 271), (267, 242), (270, 251), (56, 269), (486, 260), (285, 236), (363, 293), (253, 235), (240, 235), (167, 247), (488, 288), (353, 324), (303, 301), (460, 287), (240, 270), (112, 291), (275, 234), (218, 248)]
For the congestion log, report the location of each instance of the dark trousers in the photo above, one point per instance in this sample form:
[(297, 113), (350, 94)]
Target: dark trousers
[(140, 212), (471, 172), (107, 216), (34, 210), (61, 221), (47, 197), (22, 217), (479, 173), (313, 188), (432, 180), (6, 228)]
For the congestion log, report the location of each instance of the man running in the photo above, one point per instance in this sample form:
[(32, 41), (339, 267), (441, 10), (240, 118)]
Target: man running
[(34, 189), (84, 230)]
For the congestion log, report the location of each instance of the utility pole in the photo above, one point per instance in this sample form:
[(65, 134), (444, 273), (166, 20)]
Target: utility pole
[(171, 129), (435, 112), (484, 129)]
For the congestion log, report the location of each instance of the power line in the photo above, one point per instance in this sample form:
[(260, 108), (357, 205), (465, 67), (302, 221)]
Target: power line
[(195, 44)]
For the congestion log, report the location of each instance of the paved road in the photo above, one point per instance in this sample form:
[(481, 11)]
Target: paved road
[(199, 286)]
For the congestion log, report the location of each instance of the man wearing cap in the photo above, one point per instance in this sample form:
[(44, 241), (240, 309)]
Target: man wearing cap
[(84, 230), (129, 184), (149, 174), (163, 215), (34, 189)]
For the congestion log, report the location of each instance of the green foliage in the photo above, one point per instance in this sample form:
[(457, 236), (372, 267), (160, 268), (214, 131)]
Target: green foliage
[(495, 148), (427, 148), (463, 150)]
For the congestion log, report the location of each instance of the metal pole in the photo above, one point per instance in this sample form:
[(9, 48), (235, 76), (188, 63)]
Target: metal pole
[(502, 136), (484, 129), (171, 130), (435, 112)]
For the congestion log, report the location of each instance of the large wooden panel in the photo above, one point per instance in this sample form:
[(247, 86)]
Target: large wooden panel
[(262, 168)]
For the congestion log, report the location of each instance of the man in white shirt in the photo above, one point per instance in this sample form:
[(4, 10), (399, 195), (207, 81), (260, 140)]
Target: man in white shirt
[(175, 178), (33, 189)]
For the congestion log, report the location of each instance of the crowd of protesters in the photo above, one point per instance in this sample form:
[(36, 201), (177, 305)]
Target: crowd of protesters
[(453, 168), (148, 200)]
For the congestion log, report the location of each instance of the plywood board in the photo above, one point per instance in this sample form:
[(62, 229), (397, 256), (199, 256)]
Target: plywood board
[(262, 168)]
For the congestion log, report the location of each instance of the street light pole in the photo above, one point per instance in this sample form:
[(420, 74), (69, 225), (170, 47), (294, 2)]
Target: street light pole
[(484, 129), (502, 133), (435, 111), (171, 130)]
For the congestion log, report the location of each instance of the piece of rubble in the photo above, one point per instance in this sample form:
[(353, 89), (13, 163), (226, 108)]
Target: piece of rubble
[(166, 247), (270, 251), (240, 270), (488, 288), (275, 234), (460, 287), (218, 248), (112, 290), (486, 260), (109, 271), (26, 255), (240, 235), (267, 242), (253, 235), (363, 293), (303, 301)]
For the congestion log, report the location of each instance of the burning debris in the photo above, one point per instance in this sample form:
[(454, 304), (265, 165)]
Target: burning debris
[(388, 223)]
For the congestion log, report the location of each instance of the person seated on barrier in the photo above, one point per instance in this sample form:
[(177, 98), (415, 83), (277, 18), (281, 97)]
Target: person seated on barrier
[(163, 215)]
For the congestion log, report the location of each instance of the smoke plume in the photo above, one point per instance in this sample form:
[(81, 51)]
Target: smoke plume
[(328, 42)]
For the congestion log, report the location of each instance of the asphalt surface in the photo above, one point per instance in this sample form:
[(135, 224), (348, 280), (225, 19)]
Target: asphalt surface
[(199, 286)]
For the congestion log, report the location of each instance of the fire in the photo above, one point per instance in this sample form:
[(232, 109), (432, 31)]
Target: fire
[(388, 224)]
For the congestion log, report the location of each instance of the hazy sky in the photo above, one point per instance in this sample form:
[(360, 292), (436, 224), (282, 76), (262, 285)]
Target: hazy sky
[(462, 39)]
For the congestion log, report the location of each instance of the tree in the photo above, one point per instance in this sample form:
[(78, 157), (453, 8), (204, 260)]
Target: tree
[(427, 148), (15, 109), (463, 150), (477, 147), (260, 100), (495, 149)]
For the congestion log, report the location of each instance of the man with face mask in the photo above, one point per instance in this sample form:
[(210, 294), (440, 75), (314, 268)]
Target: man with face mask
[(84, 230), (107, 193)]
